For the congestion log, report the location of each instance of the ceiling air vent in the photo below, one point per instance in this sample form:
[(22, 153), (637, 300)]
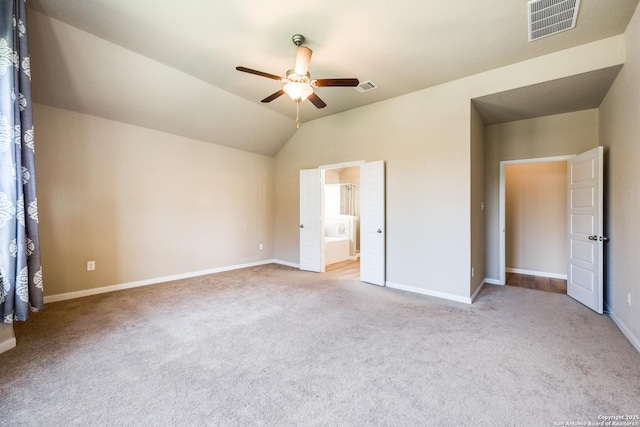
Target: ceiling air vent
[(366, 86), (547, 17)]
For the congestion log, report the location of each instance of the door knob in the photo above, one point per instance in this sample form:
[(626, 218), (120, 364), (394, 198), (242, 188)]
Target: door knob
[(593, 237), (603, 239), (301, 225), (379, 231)]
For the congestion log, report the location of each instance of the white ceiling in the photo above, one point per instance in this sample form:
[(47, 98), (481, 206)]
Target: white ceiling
[(402, 46)]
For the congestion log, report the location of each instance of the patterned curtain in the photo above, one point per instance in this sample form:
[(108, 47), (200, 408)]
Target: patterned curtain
[(20, 268)]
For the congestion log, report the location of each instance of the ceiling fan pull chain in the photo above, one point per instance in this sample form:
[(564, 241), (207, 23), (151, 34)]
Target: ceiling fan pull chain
[(297, 114)]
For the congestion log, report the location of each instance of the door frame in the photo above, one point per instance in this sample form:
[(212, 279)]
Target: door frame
[(502, 223), (360, 164), (343, 165)]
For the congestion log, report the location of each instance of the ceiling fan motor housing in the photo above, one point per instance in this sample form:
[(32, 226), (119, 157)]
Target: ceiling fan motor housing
[(298, 39), (292, 76)]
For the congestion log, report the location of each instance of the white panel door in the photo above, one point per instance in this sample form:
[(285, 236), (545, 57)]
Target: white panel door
[(585, 275), (372, 223), (311, 229)]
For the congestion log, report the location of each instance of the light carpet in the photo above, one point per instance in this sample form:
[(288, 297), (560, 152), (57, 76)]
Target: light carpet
[(274, 346)]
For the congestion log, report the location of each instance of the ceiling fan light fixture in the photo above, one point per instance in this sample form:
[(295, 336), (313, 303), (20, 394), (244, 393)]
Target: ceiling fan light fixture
[(298, 92)]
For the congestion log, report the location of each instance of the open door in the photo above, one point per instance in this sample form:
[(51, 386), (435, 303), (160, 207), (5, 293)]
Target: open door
[(311, 221), (372, 223), (585, 200)]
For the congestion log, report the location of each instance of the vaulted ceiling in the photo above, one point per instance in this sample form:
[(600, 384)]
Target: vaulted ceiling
[(171, 65)]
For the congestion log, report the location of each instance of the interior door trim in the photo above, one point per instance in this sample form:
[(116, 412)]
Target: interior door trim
[(502, 223)]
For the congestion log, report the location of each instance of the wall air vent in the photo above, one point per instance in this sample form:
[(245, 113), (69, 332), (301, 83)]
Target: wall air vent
[(366, 86), (547, 17)]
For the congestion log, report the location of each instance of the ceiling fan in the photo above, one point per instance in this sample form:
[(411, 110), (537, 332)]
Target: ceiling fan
[(298, 83)]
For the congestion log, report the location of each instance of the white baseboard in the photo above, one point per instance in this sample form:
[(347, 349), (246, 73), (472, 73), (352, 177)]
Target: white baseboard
[(536, 273), (437, 294), (129, 285), (493, 282), (7, 344), (633, 339), (287, 263)]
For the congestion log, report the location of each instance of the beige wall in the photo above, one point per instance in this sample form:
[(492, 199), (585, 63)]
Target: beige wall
[(478, 239), (143, 204), (620, 135), (562, 134), (424, 138), (536, 217)]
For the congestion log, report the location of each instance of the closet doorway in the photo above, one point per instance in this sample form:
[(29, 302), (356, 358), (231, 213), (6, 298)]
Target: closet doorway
[(584, 224), (533, 221), (536, 226)]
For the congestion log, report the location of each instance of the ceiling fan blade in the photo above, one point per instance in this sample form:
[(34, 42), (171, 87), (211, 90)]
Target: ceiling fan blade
[(273, 96), (259, 73), (336, 82), (315, 100), (303, 57)]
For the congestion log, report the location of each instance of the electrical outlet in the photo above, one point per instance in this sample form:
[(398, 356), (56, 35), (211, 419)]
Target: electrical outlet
[(91, 265), (261, 246), (629, 298)]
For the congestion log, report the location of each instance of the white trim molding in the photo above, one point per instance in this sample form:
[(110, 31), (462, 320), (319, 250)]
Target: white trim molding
[(343, 165), (493, 282), (154, 281), (633, 339), (287, 263), (7, 345), (536, 273), (437, 294)]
